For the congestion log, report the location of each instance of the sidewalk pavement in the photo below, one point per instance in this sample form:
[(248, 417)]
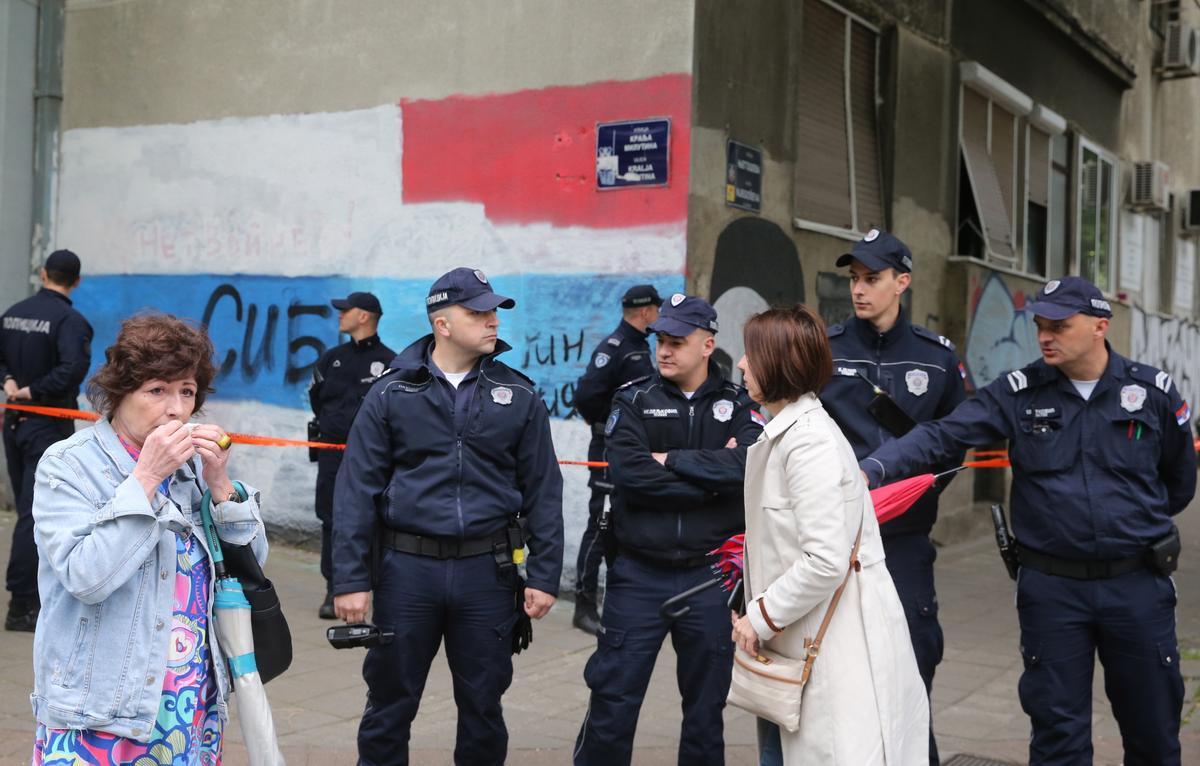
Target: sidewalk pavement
[(317, 703)]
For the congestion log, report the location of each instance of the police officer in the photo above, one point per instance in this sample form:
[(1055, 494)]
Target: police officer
[(340, 381), (677, 444), (45, 350), (879, 350), (450, 468), (621, 357), (1102, 458)]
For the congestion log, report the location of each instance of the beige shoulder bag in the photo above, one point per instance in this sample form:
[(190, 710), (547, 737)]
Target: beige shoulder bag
[(771, 686)]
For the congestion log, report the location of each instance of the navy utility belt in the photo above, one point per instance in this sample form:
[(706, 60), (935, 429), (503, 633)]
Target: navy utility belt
[(689, 562), (442, 547), (1080, 569)]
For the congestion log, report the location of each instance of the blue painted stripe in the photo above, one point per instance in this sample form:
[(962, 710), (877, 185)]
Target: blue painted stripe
[(269, 330)]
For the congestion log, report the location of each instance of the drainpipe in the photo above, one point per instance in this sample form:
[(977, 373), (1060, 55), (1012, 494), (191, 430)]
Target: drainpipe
[(47, 106)]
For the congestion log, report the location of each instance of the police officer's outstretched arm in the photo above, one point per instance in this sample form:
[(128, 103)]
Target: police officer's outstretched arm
[(1177, 459), (541, 484), (74, 346), (981, 420), (361, 481), (633, 469), (953, 394), (720, 470)]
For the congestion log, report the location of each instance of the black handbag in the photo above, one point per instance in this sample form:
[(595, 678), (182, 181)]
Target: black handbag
[(272, 636)]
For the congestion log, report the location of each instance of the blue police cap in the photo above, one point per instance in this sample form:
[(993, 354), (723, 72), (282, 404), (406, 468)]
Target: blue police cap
[(878, 251), (364, 301), (468, 288), (1065, 297), (683, 314), (640, 295)]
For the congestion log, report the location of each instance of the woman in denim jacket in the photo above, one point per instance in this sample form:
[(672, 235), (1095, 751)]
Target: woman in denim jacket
[(125, 666)]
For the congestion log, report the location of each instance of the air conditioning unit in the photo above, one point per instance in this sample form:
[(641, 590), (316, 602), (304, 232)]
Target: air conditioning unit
[(1181, 50), (1151, 186), (1190, 219)]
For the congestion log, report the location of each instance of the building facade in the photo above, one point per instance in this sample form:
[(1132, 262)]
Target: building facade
[(241, 163)]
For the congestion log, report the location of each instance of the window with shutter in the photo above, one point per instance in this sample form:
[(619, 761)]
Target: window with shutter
[(1037, 204), (981, 172), (837, 183)]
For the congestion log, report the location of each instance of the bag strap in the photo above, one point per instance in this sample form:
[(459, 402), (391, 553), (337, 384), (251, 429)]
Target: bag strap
[(210, 529), (813, 649)]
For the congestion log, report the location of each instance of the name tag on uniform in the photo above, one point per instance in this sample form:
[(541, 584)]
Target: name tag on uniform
[(846, 372), (660, 412)]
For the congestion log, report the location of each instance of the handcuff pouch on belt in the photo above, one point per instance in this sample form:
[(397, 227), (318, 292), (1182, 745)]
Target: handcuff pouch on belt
[(1164, 552)]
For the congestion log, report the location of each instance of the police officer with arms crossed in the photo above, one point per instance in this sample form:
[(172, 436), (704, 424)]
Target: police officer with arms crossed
[(450, 447), (878, 349), (677, 444), (1102, 458), (621, 357), (45, 351), (341, 378)]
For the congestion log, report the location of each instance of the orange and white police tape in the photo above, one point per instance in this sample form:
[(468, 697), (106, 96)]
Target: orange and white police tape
[(995, 458)]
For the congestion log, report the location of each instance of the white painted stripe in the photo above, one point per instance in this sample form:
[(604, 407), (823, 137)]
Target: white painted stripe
[(303, 195)]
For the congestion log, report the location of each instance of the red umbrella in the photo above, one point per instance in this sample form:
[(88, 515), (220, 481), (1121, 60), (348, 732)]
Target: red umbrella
[(891, 500)]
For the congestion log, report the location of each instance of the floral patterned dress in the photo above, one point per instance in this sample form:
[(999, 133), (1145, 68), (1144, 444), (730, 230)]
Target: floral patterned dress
[(187, 731)]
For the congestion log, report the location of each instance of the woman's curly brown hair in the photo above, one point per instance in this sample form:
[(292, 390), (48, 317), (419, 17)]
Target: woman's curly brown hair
[(152, 347)]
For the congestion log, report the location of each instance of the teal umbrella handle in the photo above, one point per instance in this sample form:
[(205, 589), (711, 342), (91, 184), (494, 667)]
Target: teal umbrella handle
[(210, 529)]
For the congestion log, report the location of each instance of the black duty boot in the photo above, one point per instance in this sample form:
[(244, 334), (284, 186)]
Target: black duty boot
[(22, 616), (326, 610), (586, 617)]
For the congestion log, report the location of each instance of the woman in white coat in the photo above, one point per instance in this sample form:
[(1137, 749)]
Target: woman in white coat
[(805, 500)]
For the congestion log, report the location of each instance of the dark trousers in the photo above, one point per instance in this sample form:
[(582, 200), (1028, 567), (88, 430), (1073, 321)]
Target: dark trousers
[(910, 561), (591, 548), (25, 439), (1129, 621), (328, 462), (424, 600), (631, 635)]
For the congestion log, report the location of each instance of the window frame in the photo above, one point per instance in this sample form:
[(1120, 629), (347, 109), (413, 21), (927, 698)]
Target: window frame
[(855, 231), (1104, 156)]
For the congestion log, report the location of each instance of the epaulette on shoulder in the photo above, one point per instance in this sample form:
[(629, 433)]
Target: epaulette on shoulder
[(613, 340), (930, 335), (634, 382), (834, 330), (1152, 375), (1030, 376), (522, 376)]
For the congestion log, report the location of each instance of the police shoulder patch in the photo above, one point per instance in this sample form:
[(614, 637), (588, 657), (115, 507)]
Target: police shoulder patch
[(1144, 373), (634, 382), (834, 330), (611, 423), (930, 335)]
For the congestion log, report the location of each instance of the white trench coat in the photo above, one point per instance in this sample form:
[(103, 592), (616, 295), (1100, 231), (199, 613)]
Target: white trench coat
[(865, 702)]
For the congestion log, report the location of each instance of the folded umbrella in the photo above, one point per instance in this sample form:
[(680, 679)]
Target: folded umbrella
[(231, 613), (892, 500)]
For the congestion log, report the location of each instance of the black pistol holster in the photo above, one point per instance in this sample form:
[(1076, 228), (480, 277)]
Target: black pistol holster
[(1164, 552), (509, 554)]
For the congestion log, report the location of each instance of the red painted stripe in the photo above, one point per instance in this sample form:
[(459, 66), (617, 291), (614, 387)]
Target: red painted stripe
[(529, 156)]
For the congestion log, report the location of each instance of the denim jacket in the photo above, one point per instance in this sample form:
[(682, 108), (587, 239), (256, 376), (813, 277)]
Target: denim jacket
[(106, 575)]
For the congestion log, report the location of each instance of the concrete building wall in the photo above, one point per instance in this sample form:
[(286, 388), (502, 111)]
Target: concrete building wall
[(242, 163)]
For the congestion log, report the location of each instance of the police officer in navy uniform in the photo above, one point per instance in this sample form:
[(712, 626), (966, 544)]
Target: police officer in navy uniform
[(450, 468), (340, 381), (1102, 458), (879, 350), (677, 444), (45, 351), (621, 357)]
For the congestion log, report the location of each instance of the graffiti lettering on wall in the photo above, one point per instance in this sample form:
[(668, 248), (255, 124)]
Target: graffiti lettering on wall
[(547, 349), (1168, 343), (1002, 337)]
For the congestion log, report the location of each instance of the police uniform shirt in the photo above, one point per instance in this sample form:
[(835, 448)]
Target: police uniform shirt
[(459, 465), (1093, 480), (341, 379), (693, 503), (46, 344), (621, 357), (917, 368)]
